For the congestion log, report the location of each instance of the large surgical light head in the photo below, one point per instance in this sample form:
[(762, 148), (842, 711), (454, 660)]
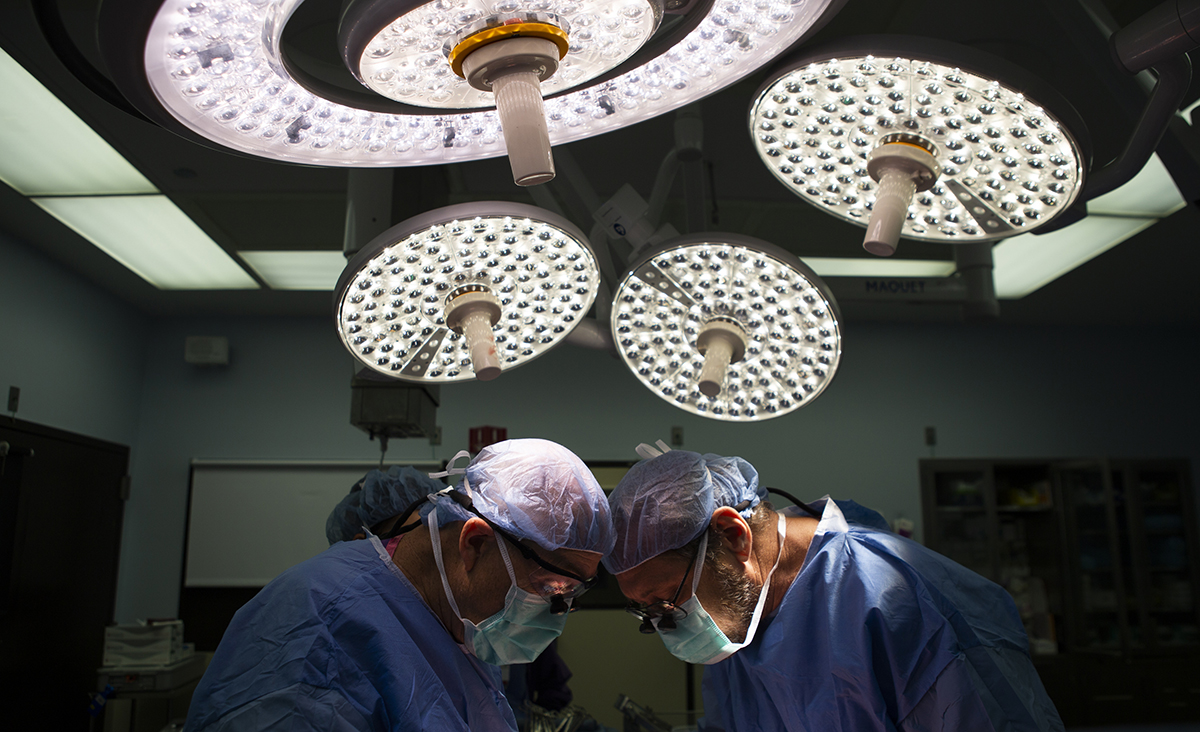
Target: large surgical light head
[(727, 326), (920, 138), (439, 81), (465, 292)]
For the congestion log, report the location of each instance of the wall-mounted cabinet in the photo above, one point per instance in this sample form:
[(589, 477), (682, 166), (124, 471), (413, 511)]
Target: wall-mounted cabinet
[(1004, 521), (1101, 559), (1131, 549)]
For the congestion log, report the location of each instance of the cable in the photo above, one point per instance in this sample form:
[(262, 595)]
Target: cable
[(807, 508)]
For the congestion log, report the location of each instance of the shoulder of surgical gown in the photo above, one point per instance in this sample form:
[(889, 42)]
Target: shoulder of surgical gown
[(342, 642), (879, 633)]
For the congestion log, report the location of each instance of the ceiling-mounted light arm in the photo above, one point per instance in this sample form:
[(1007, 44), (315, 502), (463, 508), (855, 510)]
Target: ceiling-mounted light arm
[(975, 266), (664, 180), (368, 207), (625, 216), (605, 256), (593, 333), (1169, 30), (1157, 41), (689, 148), (582, 202), (1174, 75)]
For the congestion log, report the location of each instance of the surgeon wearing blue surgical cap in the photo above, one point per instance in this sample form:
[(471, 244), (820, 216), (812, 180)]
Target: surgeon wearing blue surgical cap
[(376, 501), (823, 620), (406, 632)]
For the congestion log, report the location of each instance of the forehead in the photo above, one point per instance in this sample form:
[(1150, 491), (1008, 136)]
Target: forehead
[(655, 579)]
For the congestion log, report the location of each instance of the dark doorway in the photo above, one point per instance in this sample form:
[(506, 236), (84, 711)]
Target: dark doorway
[(61, 505)]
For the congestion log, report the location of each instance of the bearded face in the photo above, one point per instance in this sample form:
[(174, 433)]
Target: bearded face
[(739, 594)]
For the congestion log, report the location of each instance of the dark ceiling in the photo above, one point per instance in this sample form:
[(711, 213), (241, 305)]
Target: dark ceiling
[(255, 204)]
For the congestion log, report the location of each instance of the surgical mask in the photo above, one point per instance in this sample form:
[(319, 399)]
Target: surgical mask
[(519, 632), (697, 638)]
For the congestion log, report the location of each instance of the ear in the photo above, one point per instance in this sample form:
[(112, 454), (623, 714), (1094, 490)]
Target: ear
[(734, 532), (472, 539)]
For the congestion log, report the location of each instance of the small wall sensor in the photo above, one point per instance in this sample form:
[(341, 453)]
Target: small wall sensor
[(207, 350)]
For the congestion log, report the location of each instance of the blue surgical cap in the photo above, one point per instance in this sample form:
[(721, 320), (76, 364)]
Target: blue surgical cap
[(378, 496), (666, 501), (536, 490)]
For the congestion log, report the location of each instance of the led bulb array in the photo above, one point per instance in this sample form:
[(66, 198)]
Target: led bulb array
[(1007, 165), (407, 60), (788, 317), (392, 298), (217, 67)]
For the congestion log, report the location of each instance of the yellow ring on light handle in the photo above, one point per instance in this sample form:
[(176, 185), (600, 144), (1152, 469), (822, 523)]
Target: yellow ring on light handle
[(922, 148), (502, 32)]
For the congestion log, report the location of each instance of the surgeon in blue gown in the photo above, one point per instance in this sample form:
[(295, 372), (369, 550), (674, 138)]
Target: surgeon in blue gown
[(407, 632), (815, 621)]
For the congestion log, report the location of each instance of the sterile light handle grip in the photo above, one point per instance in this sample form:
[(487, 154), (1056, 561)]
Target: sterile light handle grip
[(481, 343), (716, 364), (523, 121), (895, 193)]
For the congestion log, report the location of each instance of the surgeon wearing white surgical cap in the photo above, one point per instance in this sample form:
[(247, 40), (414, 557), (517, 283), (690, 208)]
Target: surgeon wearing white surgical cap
[(406, 632), (822, 620)]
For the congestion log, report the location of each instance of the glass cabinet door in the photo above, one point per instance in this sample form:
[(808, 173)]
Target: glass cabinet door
[(1097, 581), (961, 528), (999, 519), (1122, 510), (1029, 549), (1160, 511)]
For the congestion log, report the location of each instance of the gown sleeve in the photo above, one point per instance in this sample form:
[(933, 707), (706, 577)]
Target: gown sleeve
[(952, 703), (297, 708)]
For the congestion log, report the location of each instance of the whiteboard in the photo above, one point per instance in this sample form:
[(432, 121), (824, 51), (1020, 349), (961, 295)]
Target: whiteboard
[(249, 520)]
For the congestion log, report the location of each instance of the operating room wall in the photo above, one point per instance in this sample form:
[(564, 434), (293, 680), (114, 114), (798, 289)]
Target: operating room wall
[(76, 352), (89, 363), (991, 391)]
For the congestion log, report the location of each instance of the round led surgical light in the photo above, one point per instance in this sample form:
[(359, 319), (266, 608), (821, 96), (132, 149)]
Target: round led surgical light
[(418, 57), (727, 327), (465, 292), (481, 53), (916, 144), (218, 69)]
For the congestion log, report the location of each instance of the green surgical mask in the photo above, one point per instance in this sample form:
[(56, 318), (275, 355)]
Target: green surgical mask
[(697, 638), (519, 632)]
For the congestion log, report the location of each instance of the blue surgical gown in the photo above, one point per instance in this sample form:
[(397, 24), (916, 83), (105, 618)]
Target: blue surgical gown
[(344, 642), (879, 633)]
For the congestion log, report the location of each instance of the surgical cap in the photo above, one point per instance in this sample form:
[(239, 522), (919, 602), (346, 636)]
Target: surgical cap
[(666, 501), (376, 497), (536, 490)]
